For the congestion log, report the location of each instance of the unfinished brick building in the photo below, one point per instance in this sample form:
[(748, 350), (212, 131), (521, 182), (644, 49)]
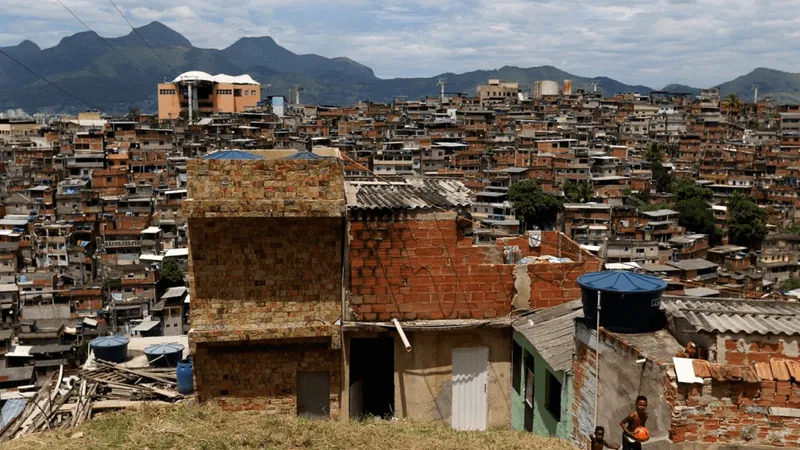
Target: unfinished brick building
[(746, 394), (266, 283), (415, 257)]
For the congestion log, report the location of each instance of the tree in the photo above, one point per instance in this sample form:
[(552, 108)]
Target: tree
[(790, 284), (536, 207), (578, 192), (171, 274), (685, 189), (732, 104), (695, 215), (654, 153), (662, 178), (133, 114), (747, 223)]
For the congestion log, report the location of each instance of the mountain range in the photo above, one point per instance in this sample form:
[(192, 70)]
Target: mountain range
[(116, 74)]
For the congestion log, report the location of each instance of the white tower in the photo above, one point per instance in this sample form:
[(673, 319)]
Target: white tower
[(442, 82)]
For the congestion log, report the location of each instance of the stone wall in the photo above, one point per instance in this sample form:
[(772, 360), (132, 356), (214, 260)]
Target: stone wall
[(262, 375)]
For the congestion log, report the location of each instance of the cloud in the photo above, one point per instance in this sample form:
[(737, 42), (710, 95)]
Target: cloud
[(655, 42)]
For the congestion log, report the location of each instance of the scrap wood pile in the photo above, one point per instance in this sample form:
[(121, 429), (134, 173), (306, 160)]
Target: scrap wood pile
[(65, 402)]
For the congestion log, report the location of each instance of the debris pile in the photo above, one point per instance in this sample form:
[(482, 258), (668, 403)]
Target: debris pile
[(65, 402)]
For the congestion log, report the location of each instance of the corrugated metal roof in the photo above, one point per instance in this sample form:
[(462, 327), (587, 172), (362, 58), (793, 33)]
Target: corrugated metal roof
[(551, 332), (412, 193), (736, 316)]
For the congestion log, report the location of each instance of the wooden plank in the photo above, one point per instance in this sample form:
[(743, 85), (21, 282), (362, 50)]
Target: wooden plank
[(123, 404)]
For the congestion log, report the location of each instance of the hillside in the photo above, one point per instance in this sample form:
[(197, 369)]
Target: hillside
[(188, 428), (783, 87), (115, 74), (122, 72)]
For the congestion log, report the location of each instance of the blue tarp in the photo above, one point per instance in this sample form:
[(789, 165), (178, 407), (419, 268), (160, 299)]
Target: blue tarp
[(11, 409)]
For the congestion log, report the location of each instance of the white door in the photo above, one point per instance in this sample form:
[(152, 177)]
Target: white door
[(470, 383)]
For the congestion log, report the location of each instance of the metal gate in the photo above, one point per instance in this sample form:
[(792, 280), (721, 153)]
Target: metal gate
[(470, 383)]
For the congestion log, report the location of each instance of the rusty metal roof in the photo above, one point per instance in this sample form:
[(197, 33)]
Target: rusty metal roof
[(736, 316), (411, 193)]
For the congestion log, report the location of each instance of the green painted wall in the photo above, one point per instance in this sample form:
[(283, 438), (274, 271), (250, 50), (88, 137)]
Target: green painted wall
[(543, 422)]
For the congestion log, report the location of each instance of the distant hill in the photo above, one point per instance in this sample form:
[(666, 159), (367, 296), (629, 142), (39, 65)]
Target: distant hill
[(681, 89), (783, 87), (117, 79)]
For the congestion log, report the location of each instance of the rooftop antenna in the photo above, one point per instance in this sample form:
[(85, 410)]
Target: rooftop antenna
[(755, 89), (442, 82), (297, 89)]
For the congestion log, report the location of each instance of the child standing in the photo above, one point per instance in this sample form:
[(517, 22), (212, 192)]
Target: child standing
[(634, 420), (597, 440)]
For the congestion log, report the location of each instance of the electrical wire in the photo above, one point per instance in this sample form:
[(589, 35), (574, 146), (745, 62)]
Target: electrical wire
[(46, 80), (106, 41), (140, 37)]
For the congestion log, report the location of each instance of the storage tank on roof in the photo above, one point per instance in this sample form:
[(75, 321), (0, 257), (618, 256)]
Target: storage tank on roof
[(164, 355), (630, 302), (110, 348), (548, 87)]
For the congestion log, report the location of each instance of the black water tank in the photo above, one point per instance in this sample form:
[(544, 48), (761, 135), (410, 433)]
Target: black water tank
[(630, 301)]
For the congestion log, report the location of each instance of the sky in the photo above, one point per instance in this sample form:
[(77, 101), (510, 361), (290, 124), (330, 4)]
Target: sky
[(652, 42)]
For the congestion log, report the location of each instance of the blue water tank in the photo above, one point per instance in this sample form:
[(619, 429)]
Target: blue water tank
[(631, 302), (164, 355), (110, 348), (185, 373)]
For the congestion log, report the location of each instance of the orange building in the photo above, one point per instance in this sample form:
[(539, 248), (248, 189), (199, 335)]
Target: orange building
[(207, 94)]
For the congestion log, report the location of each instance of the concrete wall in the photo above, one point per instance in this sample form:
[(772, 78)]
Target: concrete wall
[(738, 349), (423, 377), (543, 422), (621, 381)]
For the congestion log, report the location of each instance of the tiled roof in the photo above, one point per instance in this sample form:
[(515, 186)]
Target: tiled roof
[(774, 370), (736, 316), (412, 193)]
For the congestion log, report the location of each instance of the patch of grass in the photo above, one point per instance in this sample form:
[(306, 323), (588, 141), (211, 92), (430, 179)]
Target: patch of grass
[(205, 427)]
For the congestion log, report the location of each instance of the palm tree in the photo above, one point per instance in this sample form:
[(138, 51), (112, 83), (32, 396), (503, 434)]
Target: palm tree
[(732, 103)]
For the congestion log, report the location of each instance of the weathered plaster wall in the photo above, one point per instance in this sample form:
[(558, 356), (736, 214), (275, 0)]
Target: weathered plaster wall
[(423, 377)]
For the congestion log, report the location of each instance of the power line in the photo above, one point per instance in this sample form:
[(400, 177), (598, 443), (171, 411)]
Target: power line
[(106, 41), (140, 37), (45, 79)]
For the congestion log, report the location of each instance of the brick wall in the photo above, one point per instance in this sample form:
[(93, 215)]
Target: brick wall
[(264, 276), (735, 412), (421, 265), (263, 375), (265, 265), (748, 350)]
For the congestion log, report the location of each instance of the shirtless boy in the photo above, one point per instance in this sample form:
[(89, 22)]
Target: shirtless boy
[(634, 420)]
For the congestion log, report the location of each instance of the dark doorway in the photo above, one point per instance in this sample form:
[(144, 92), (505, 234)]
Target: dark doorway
[(371, 377), (313, 395)]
